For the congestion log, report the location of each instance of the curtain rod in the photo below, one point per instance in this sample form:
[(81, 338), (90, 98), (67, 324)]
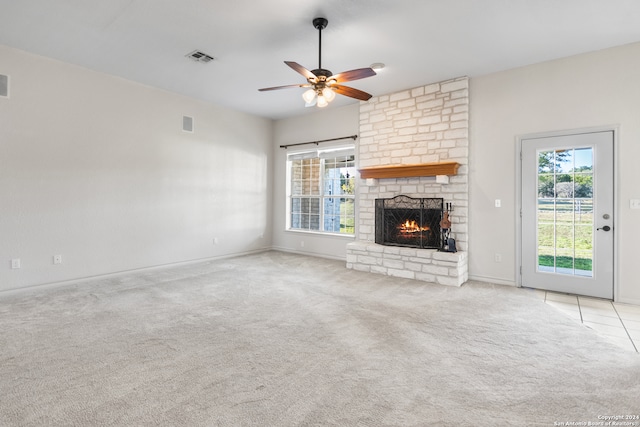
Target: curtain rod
[(318, 142)]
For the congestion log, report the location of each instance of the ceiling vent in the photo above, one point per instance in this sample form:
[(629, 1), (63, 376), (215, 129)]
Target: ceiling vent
[(199, 56)]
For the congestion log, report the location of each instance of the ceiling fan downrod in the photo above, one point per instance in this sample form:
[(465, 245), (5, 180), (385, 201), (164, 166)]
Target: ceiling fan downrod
[(320, 24)]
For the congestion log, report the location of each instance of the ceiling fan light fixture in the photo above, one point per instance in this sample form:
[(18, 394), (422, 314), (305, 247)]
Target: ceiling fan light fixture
[(309, 96), (328, 94), (322, 102)]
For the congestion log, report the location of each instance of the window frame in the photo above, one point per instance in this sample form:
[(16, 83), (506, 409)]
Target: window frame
[(322, 154)]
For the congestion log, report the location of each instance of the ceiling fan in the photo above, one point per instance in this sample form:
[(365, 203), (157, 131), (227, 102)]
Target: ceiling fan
[(323, 85)]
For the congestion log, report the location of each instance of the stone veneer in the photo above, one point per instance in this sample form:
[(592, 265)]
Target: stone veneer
[(423, 125)]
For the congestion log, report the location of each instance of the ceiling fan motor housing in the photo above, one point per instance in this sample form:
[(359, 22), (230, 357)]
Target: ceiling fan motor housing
[(320, 23), (322, 72)]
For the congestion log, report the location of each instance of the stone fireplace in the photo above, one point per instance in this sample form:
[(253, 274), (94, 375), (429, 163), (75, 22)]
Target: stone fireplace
[(427, 125)]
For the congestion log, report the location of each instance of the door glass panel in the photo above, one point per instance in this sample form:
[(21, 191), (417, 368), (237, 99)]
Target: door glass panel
[(565, 262), (565, 211)]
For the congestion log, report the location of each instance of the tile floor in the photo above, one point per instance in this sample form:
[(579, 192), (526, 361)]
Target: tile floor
[(619, 323)]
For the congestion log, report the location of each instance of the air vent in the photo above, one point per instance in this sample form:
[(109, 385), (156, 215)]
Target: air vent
[(187, 124), (199, 56), (4, 86)]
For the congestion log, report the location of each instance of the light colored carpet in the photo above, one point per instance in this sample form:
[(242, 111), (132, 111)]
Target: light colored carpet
[(277, 339)]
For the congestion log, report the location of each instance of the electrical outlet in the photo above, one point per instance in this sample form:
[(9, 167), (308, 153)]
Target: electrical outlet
[(215, 241), (634, 203), (57, 259), (498, 203), (498, 258), (15, 263)]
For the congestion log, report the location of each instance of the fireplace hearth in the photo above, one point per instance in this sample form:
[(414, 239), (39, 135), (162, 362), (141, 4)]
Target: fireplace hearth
[(409, 222)]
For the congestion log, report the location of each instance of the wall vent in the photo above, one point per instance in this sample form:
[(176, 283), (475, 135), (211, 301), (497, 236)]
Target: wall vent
[(199, 56), (4, 86), (187, 124)]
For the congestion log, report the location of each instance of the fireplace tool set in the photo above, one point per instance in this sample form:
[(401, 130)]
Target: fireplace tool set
[(448, 243)]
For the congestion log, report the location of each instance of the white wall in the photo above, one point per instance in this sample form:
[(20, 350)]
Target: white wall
[(98, 169), (590, 90), (321, 124)]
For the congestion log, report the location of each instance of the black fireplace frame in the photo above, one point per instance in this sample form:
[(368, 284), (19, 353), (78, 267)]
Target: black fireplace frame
[(426, 212)]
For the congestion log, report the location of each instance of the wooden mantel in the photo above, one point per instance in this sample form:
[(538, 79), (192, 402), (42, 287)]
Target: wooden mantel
[(404, 171)]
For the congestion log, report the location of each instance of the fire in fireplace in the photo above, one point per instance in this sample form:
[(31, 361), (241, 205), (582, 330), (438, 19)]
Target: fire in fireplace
[(410, 222)]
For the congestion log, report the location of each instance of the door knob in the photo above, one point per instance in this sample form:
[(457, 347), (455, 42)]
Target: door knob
[(605, 228)]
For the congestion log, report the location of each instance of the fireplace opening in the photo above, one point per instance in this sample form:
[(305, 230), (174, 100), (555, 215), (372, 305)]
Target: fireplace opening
[(409, 222)]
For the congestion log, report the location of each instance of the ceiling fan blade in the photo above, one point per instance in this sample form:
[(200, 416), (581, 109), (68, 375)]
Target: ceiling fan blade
[(351, 92), (300, 69), (359, 73), (284, 87)]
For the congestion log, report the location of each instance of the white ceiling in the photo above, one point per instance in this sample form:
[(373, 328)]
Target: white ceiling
[(420, 41)]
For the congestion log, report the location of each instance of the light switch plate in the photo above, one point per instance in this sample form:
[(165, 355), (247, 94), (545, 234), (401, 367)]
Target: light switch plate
[(634, 203)]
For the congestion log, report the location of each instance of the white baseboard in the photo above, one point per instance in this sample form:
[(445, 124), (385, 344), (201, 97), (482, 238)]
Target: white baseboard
[(493, 280), (315, 254), (630, 301), (125, 272)]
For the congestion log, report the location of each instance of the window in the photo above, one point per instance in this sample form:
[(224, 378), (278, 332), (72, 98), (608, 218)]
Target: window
[(322, 191)]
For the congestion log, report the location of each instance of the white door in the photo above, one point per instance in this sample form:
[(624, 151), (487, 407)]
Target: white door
[(567, 213)]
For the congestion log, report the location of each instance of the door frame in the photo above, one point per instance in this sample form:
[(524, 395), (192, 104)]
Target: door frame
[(518, 211)]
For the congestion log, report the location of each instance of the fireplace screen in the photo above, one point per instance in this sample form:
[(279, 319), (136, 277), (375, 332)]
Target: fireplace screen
[(405, 221)]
